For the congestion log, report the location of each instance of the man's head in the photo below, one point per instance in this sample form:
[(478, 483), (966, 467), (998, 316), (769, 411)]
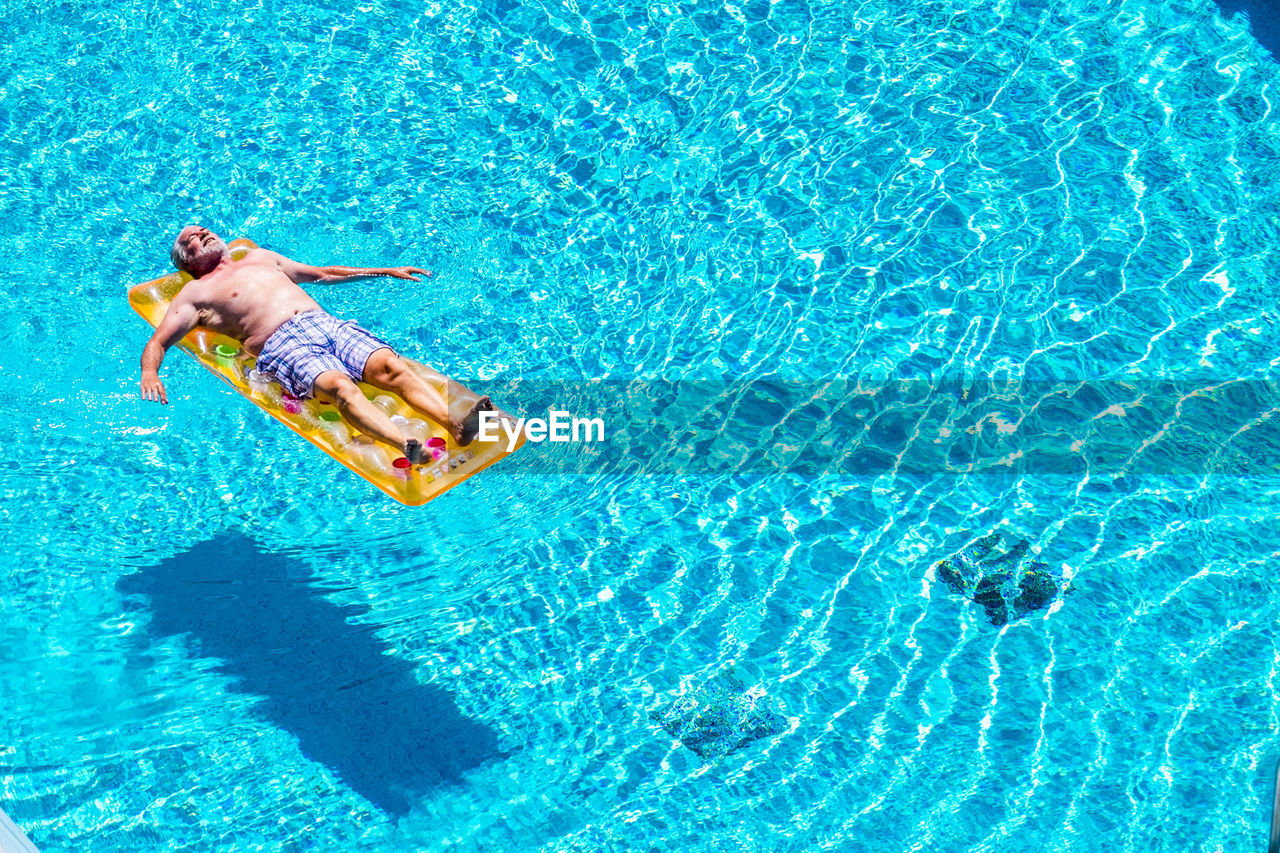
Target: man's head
[(198, 250)]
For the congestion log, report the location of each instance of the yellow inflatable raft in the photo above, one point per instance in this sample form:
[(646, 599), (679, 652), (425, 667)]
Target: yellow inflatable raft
[(447, 464)]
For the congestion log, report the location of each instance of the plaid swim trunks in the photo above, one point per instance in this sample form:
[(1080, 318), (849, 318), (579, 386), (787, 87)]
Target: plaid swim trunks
[(313, 342)]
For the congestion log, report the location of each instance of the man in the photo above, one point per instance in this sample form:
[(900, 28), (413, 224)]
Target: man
[(257, 300)]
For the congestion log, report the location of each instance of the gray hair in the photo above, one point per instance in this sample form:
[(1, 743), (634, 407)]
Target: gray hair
[(178, 254)]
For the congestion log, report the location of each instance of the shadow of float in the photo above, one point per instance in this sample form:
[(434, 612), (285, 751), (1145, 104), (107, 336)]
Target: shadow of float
[(1264, 20), (327, 681)]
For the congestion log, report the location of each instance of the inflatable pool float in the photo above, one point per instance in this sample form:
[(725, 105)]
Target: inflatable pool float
[(446, 464)]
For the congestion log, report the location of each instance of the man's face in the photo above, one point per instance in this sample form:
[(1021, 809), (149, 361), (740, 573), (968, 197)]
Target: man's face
[(204, 249)]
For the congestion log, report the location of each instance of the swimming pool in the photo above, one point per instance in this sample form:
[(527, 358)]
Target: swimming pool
[(851, 285)]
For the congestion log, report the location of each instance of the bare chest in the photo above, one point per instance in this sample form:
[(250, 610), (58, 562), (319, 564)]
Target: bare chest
[(249, 302)]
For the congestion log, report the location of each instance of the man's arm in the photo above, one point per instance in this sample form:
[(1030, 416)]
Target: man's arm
[(181, 318), (301, 273)]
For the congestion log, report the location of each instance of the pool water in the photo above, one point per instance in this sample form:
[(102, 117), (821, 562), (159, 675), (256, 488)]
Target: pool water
[(851, 285)]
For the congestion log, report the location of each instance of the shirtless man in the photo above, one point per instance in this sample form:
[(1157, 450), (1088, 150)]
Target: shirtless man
[(312, 354)]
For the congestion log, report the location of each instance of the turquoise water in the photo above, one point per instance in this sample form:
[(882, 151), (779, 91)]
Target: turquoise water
[(1009, 265)]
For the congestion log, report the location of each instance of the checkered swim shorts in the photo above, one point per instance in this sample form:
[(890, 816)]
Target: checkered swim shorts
[(313, 342)]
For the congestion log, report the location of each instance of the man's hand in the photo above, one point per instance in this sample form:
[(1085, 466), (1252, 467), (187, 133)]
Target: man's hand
[(153, 389), (408, 272), (180, 318)]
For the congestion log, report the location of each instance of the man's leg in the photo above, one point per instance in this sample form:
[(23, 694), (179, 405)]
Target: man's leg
[(336, 387), (388, 371)]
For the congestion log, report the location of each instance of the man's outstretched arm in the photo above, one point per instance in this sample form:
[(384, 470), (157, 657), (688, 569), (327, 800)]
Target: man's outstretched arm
[(178, 320), (300, 273)]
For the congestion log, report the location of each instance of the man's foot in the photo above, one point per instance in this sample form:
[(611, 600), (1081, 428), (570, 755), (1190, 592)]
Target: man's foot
[(469, 425), (414, 451)]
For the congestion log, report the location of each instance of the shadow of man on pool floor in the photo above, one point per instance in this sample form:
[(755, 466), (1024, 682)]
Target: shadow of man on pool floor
[(326, 680)]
